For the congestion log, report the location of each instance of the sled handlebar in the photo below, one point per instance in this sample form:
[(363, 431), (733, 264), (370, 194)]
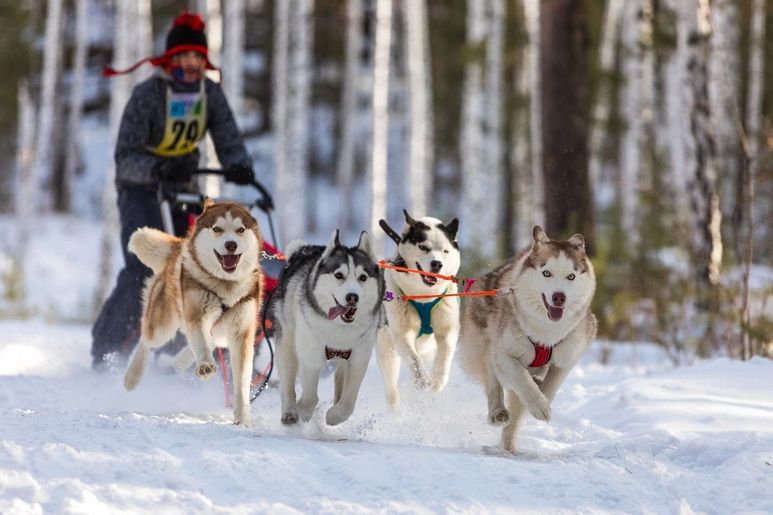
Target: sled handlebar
[(265, 202)]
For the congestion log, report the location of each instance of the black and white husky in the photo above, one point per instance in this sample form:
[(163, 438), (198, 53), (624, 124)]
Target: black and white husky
[(326, 306), (418, 328)]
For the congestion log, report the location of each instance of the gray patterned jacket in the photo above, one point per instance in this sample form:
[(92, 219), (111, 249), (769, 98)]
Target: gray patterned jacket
[(142, 125)]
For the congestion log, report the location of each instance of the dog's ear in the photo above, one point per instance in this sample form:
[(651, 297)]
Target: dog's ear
[(364, 243), (578, 241), (539, 237), (389, 231), (331, 244), (453, 227), (408, 218), (208, 204)]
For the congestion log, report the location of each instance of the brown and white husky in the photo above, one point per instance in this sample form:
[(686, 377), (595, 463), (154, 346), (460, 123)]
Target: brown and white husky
[(209, 285)]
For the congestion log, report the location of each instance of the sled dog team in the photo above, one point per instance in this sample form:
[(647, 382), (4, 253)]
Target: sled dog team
[(519, 343)]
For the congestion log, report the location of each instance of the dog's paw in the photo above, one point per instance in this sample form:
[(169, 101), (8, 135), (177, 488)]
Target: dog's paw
[(130, 381), (393, 399), (242, 416), (206, 370), (439, 381), (499, 417), (306, 409), (337, 414), (421, 380), (289, 418), (539, 407)]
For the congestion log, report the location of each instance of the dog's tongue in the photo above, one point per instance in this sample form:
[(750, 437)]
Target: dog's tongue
[(230, 260), (336, 311), (555, 314)]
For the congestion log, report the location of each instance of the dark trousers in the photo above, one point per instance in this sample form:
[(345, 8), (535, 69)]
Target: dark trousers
[(117, 328)]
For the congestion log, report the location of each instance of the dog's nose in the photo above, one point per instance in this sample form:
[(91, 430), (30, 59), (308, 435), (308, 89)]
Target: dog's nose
[(435, 265), (352, 299), (231, 246), (558, 299)]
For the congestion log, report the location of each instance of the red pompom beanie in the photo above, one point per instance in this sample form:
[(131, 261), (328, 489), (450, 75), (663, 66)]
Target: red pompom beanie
[(186, 34)]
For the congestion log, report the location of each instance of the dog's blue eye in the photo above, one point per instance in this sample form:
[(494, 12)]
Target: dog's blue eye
[(363, 278), (217, 230), (571, 277), (546, 273), (339, 275)]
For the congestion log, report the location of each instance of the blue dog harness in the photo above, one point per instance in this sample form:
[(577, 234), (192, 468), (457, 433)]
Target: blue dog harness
[(424, 310)]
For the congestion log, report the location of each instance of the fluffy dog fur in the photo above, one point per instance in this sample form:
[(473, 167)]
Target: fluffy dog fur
[(209, 285), (553, 285), (427, 244)]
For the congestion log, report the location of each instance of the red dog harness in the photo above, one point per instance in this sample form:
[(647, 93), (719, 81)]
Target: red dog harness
[(542, 354)]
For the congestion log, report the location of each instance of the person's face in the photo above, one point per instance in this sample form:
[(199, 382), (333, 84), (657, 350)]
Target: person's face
[(191, 63)]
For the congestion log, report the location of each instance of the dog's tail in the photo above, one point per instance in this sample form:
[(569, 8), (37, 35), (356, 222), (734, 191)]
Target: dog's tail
[(153, 247)]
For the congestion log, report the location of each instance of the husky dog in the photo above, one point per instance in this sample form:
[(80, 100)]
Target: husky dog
[(209, 284), (326, 306), (527, 342), (416, 328)]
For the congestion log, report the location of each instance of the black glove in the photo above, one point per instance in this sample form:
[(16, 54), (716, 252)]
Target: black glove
[(177, 169), (239, 174)]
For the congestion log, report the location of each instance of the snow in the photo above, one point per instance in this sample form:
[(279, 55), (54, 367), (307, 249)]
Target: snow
[(632, 436), (636, 435)]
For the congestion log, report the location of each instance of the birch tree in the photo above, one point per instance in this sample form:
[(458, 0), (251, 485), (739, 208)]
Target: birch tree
[(753, 119), (124, 48), (40, 159), (610, 35), (211, 184), (378, 168), (420, 148), (76, 100), (233, 55), (351, 86), (532, 12), (279, 115)]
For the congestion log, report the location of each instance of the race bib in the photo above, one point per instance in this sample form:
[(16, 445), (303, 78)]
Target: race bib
[(186, 121)]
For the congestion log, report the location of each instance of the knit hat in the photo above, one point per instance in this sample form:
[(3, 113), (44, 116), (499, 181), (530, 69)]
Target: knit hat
[(186, 34)]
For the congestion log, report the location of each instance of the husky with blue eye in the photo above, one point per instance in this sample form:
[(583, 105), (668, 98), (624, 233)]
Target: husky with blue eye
[(327, 306), (524, 343), (423, 332)]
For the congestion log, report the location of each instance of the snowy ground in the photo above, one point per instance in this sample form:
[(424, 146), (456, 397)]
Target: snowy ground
[(633, 437)]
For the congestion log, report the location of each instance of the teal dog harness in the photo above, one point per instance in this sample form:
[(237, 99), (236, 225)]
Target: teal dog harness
[(424, 310)]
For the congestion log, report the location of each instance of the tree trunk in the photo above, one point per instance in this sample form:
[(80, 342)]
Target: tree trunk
[(378, 168), (564, 68), (610, 36), (492, 177), (299, 111), (76, 102), (124, 47), (211, 185), (420, 101), (532, 12), (350, 87), (753, 118), (279, 115)]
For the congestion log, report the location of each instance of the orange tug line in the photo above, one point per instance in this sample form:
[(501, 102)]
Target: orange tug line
[(483, 293)]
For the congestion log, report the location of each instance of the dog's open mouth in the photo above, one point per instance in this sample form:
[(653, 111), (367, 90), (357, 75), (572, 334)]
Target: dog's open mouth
[(346, 313), (428, 279), (228, 261), (554, 314)]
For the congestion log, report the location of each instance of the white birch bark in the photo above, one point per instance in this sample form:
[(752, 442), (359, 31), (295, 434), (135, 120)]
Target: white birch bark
[(420, 151), (724, 90), (38, 168), (300, 74), (491, 179), (378, 168), (630, 99), (279, 110), (520, 161), (613, 15), (233, 56), (211, 184), (72, 153), (472, 144), (144, 39), (532, 12), (702, 178), (351, 85), (120, 89)]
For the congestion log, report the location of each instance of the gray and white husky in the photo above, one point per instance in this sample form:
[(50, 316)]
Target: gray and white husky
[(326, 306), (525, 343), (418, 328)]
